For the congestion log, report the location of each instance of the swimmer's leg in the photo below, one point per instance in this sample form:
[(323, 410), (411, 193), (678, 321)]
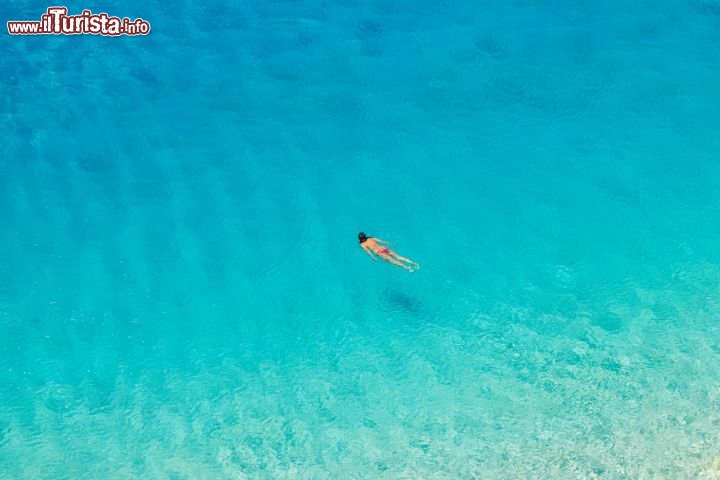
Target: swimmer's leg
[(403, 259), (388, 258)]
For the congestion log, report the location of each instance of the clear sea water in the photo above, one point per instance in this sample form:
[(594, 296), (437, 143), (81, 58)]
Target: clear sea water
[(181, 291)]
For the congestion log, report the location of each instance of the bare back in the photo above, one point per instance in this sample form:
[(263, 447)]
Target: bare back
[(371, 243)]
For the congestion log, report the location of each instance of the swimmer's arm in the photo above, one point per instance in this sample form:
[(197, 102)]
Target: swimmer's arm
[(383, 241), (367, 250)]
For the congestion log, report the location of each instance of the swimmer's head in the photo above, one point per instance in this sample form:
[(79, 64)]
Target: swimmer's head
[(362, 237)]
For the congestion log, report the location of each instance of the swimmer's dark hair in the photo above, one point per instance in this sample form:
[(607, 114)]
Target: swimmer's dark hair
[(362, 237)]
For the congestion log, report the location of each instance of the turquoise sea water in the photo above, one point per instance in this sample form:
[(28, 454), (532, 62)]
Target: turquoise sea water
[(181, 292)]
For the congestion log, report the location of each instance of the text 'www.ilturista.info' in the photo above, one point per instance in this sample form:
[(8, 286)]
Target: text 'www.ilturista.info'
[(57, 22)]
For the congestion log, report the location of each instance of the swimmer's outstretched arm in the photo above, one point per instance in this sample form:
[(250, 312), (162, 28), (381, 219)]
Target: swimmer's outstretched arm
[(383, 241)]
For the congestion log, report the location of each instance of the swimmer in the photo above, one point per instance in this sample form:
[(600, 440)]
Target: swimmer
[(373, 245)]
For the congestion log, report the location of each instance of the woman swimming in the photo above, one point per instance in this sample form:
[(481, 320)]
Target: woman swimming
[(372, 245)]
